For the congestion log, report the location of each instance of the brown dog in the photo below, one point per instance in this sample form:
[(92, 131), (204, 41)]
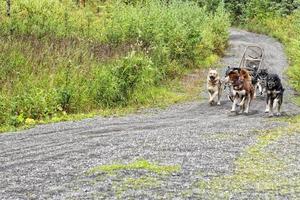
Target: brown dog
[(243, 90)]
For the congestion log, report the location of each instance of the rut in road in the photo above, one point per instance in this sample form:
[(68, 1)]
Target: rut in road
[(51, 161)]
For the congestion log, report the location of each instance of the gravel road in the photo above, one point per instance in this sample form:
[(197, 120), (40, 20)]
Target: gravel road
[(51, 161)]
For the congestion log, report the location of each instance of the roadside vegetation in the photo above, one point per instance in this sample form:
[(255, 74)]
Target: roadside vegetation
[(266, 167), (59, 59)]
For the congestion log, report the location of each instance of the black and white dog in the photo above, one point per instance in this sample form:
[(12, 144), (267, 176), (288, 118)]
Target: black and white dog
[(274, 91), (262, 81)]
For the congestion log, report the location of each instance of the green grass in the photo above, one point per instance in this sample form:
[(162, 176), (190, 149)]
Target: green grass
[(140, 183), (136, 165), (158, 97), (59, 61), (297, 101), (155, 175), (258, 169)]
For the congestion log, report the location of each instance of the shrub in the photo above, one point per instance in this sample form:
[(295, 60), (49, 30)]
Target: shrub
[(57, 58), (115, 85), (50, 17), (170, 31)]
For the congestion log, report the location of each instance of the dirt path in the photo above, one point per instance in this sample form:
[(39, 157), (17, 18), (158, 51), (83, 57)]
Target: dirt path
[(51, 161)]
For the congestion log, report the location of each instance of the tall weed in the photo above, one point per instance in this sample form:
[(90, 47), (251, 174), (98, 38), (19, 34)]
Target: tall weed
[(58, 58)]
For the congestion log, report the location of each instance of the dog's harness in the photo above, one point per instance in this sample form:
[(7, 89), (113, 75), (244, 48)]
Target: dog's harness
[(215, 82), (275, 93)]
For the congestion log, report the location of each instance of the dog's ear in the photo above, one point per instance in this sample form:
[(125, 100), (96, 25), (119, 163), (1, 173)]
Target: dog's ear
[(210, 69)]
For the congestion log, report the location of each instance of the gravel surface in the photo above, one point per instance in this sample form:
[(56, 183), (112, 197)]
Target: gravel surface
[(51, 161)]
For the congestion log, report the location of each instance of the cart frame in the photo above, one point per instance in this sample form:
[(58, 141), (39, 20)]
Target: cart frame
[(252, 62)]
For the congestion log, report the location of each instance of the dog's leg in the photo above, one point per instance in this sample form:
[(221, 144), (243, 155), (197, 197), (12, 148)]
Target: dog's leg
[(248, 103), (243, 101), (231, 95), (213, 96), (219, 99), (255, 87), (276, 106), (242, 107), (260, 89), (210, 97), (271, 107), (235, 102), (279, 100), (279, 103), (268, 104), (263, 90), (220, 94)]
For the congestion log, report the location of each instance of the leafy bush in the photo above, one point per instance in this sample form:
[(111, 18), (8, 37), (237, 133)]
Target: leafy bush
[(58, 58), (170, 32), (49, 17), (244, 10), (177, 27), (115, 85)]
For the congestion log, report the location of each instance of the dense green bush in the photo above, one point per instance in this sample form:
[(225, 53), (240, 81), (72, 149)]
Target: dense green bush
[(257, 9), (170, 32), (49, 17), (174, 29), (58, 58), (243, 10), (115, 85)]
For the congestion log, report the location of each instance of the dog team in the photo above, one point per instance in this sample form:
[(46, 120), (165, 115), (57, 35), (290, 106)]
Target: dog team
[(243, 84)]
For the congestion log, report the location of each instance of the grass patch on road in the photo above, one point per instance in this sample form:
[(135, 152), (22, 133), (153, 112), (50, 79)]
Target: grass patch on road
[(136, 165), (259, 170), (140, 183), (139, 175), (297, 101)]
